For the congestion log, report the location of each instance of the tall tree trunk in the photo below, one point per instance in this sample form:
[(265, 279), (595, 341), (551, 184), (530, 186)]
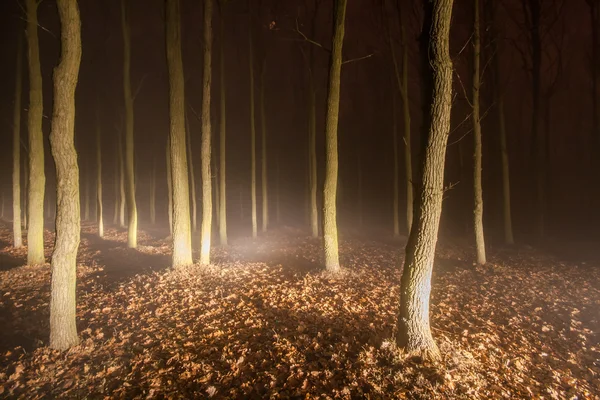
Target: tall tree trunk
[(116, 186), (330, 231), (192, 175), (153, 193), (63, 329), (129, 143), (26, 191), (122, 201), (252, 129), (278, 193), (169, 187), (215, 171), (16, 177), (263, 126), (414, 332), (182, 240), (207, 213), (222, 141), (37, 177), (86, 192), (395, 189), (360, 191), (99, 207), (312, 155), (477, 165)]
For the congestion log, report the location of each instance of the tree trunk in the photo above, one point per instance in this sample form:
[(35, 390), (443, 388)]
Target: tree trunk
[(16, 177), (252, 130), (116, 186), (222, 142), (86, 192), (263, 125), (122, 201), (182, 241), (395, 194), (26, 191), (414, 332), (278, 194), (215, 172), (99, 207), (129, 152), (330, 232), (207, 213), (169, 187), (192, 175), (63, 329), (312, 156), (37, 177), (360, 191), (153, 193), (477, 165)]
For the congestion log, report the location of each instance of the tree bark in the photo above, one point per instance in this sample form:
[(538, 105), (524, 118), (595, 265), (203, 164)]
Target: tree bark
[(16, 176), (26, 191), (312, 155), (99, 207), (330, 232), (252, 129), (263, 126), (182, 242), (192, 175), (477, 165), (37, 177), (63, 329), (222, 141), (207, 212), (129, 142), (414, 332)]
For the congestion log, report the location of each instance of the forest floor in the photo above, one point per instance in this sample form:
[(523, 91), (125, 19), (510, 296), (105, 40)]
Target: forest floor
[(266, 321)]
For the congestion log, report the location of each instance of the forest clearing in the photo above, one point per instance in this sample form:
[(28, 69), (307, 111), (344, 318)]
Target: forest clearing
[(267, 321)]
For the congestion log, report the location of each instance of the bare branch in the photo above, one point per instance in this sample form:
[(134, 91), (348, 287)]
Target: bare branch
[(358, 59)]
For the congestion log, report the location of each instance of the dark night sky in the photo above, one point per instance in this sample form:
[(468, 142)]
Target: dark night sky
[(365, 117)]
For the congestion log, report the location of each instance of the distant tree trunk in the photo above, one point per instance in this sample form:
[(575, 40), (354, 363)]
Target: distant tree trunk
[(169, 187), (312, 155), (360, 191), (222, 141), (278, 193), (86, 192), (477, 165), (192, 175), (252, 129), (414, 332), (117, 186), (330, 232), (207, 212), (396, 174), (63, 329), (182, 241), (16, 177), (26, 191), (129, 152), (122, 201), (215, 171), (37, 177), (153, 193), (99, 207), (263, 125)]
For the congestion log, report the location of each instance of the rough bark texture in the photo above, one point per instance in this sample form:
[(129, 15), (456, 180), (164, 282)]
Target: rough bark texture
[(263, 127), (222, 141), (37, 177), (477, 165), (63, 329), (207, 214), (192, 175), (330, 232), (252, 131), (414, 332), (129, 151), (16, 176), (182, 242), (99, 207)]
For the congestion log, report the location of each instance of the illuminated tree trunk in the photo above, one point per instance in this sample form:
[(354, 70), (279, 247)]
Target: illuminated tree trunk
[(252, 131), (330, 232), (278, 193), (192, 175), (263, 125), (153, 193), (414, 332), (312, 156), (207, 214), (116, 187), (63, 329), (26, 191), (86, 193), (215, 171), (122, 200), (182, 241), (99, 207), (222, 143), (37, 177), (16, 176), (129, 152), (169, 187), (477, 167)]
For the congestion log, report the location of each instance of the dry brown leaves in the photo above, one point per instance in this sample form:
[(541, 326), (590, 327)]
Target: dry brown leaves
[(265, 322)]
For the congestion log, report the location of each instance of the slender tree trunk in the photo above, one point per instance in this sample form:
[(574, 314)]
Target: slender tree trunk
[(414, 332), (182, 241), (37, 177), (207, 208), (129, 143), (330, 231), (263, 125), (86, 192), (216, 190), (192, 175), (122, 201), (477, 165), (360, 192), (26, 192), (99, 207), (222, 142), (396, 201), (312, 156), (117, 186), (278, 194), (153, 193), (252, 130), (16, 177), (63, 329), (169, 187)]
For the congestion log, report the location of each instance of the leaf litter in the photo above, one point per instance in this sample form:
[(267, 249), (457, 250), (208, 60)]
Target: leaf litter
[(266, 322)]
